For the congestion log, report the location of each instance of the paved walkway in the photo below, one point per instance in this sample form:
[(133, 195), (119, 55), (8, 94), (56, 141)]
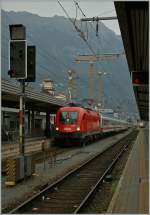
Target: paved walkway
[(131, 195), (49, 174)]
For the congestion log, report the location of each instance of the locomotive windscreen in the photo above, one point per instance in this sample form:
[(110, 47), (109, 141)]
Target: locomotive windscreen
[(68, 117)]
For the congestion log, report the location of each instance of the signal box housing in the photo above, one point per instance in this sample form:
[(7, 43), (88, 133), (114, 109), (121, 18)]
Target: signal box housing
[(31, 63), (18, 57)]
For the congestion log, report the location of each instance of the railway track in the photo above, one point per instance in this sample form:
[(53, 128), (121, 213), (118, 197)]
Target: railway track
[(99, 199), (71, 193), (35, 150), (40, 156)]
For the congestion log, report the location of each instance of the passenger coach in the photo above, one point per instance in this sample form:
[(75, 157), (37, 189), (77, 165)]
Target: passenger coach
[(77, 123)]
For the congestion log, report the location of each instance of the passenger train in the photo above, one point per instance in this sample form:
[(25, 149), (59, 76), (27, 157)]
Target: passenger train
[(77, 123)]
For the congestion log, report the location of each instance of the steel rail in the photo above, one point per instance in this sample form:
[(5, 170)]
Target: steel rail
[(55, 183), (64, 177), (100, 180)]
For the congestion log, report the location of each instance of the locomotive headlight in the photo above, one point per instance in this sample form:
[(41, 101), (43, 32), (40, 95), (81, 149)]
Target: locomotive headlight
[(78, 128), (57, 128)]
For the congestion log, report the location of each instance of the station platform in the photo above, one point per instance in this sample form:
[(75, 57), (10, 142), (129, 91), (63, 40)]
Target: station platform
[(11, 149), (47, 173), (132, 193)]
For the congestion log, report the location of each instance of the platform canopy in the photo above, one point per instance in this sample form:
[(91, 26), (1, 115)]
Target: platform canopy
[(34, 100), (133, 18)]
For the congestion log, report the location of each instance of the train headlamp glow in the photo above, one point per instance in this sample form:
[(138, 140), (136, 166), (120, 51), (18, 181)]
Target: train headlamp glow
[(57, 129), (78, 128)]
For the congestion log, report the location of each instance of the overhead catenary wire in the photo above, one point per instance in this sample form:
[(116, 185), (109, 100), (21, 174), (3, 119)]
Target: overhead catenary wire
[(43, 53), (56, 60), (100, 42), (76, 28), (98, 38), (72, 21), (47, 55), (91, 23), (85, 16), (76, 3), (91, 49)]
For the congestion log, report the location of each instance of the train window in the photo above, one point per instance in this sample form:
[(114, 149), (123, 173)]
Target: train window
[(105, 122), (68, 117), (38, 123), (12, 124)]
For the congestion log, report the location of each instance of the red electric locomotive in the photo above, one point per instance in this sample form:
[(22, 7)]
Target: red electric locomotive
[(76, 123)]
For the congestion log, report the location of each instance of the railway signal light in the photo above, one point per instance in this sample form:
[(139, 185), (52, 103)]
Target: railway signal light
[(140, 78), (18, 68), (17, 32), (18, 52), (31, 63)]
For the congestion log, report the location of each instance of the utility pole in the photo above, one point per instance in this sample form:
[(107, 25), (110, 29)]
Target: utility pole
[(92, 59), (100, 98), (97, 19), (71, 84), (18, 70), (91, 77), (22, 69), (22, 118), (98, 57)]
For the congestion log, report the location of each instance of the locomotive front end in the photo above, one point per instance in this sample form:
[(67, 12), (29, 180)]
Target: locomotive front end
[(67, 124)]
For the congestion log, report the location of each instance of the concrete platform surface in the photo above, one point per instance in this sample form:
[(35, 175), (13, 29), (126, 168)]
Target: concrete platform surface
[(48, 174), (132, 194)]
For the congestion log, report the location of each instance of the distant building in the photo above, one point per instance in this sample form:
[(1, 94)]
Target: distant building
[(116, 115), (61, 96), (48, 87)]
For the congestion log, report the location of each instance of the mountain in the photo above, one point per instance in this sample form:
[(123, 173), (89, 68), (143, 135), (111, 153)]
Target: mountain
[(57, 46)]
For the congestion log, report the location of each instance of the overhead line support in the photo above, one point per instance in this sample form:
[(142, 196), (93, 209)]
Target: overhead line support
[(99, 18)]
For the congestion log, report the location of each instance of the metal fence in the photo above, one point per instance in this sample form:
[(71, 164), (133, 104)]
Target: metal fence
[(11, 136)]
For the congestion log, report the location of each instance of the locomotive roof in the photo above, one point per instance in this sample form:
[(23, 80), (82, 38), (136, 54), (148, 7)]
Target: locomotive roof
[(81, 109)]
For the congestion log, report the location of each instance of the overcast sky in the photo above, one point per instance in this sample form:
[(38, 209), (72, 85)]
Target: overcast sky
[(91, 8)]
